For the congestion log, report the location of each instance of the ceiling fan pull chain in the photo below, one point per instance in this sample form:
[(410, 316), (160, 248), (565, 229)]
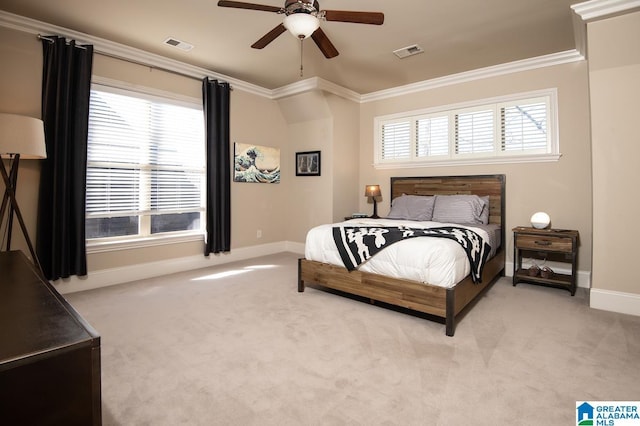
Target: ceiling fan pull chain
[(301, 42)]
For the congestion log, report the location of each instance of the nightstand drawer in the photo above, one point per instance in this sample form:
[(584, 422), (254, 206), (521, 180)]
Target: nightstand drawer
[(540, 242)]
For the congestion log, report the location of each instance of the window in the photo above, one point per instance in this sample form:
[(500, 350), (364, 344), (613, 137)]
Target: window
[(524, 126), (474, 131), (398, 137), (510, 129), (432, 136), (145, 166)]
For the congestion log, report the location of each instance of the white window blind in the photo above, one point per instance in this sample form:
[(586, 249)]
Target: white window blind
[(524, 127), (432, 138), (396, 140), (145, 166), (474, 132), (507, 129)]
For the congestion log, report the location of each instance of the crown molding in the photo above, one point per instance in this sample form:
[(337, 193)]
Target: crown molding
[(595, 9), (481, 73), (127, 53), (314, 83), (145, 58)]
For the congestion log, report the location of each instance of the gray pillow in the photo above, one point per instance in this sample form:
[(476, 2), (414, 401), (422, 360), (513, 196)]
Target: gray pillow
[(412, 207), (459, 209)]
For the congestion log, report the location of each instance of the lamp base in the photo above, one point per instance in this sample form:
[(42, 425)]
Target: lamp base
[(375, 210)]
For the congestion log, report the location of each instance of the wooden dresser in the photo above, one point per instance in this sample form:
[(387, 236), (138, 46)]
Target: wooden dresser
[(49, 355)]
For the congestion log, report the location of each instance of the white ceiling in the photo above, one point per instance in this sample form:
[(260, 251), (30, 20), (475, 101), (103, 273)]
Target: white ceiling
[(456, 35)]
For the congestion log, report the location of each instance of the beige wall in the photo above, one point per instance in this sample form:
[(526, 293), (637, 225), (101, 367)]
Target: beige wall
[(254, 119), (282, 212), (343, 131), (614, 72), (562, 188), (346, 150), (320, 121), (309, 128), (590, 188)]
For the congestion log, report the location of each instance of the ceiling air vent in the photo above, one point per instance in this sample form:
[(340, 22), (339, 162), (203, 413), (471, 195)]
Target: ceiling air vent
[(408, 51), (179, 44)]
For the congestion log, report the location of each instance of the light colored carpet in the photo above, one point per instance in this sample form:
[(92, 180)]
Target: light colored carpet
[(238, 345)]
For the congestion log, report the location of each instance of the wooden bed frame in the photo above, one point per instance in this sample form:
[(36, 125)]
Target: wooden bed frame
[(445, 303)]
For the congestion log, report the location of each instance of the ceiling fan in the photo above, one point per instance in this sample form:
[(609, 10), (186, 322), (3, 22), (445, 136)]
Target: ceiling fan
[(302, 19)]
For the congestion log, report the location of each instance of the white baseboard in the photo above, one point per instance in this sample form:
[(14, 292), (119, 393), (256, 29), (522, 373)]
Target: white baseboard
[(606, 300), (625, 303), (113, 276), (615, 301), (583, 278), (295, 247)]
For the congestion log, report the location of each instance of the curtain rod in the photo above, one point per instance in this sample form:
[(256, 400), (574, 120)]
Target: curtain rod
[(155, 67), (50, 40), (132, 61)]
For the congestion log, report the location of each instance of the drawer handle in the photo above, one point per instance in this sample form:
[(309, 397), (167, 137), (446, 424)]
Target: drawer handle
[(543, 243)]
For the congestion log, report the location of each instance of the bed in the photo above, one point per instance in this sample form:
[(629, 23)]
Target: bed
[(443, 301)]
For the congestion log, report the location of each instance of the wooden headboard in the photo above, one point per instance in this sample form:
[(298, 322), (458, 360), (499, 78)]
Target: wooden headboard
[(481, 185)]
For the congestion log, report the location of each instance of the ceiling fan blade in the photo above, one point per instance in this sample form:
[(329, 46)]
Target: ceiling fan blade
[(269, 37), (375, 18), (250, 6), (326, 47)]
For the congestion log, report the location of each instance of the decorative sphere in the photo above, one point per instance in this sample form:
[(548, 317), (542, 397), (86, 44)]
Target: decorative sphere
[(540, 220)]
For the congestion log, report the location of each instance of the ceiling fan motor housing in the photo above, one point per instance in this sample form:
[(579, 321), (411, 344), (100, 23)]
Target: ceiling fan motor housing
[(301, 6)]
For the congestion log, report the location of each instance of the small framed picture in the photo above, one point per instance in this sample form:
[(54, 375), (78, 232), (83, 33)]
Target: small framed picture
[(308, 163)]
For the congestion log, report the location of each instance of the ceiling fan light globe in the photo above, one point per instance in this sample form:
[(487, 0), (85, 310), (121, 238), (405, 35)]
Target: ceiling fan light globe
[(301, 25)]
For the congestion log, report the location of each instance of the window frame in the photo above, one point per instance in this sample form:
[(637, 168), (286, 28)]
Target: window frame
[(125, 242), (497, 156)]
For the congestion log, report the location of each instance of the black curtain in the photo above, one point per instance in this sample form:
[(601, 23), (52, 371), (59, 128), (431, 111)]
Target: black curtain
[(66, 85), (215, 96)]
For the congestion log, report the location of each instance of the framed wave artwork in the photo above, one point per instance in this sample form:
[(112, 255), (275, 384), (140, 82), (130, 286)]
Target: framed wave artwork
[(255, 163)]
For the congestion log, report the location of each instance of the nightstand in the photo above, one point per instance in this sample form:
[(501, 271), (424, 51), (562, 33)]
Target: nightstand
[(558, 245)]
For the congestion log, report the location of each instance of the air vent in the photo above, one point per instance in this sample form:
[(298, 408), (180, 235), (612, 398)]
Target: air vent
[(179, 44), (408, 51)]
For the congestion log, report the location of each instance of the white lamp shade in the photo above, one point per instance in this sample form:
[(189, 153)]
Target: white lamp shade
[(301, 25), (540, 220), (22, 135)]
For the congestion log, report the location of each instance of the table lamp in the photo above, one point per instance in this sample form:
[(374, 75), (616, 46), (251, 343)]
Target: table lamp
[(373, 191), (540, 220)]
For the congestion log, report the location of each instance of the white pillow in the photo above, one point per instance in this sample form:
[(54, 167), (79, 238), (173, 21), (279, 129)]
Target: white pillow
[(412, 207)]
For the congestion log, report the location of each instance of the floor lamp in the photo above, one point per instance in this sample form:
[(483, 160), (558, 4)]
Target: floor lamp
[(20, 137)]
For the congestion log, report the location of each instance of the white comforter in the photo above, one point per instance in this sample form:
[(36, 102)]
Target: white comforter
[(437, 261)]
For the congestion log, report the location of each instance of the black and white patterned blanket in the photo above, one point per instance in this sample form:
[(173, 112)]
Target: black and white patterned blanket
[(356, 244)]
